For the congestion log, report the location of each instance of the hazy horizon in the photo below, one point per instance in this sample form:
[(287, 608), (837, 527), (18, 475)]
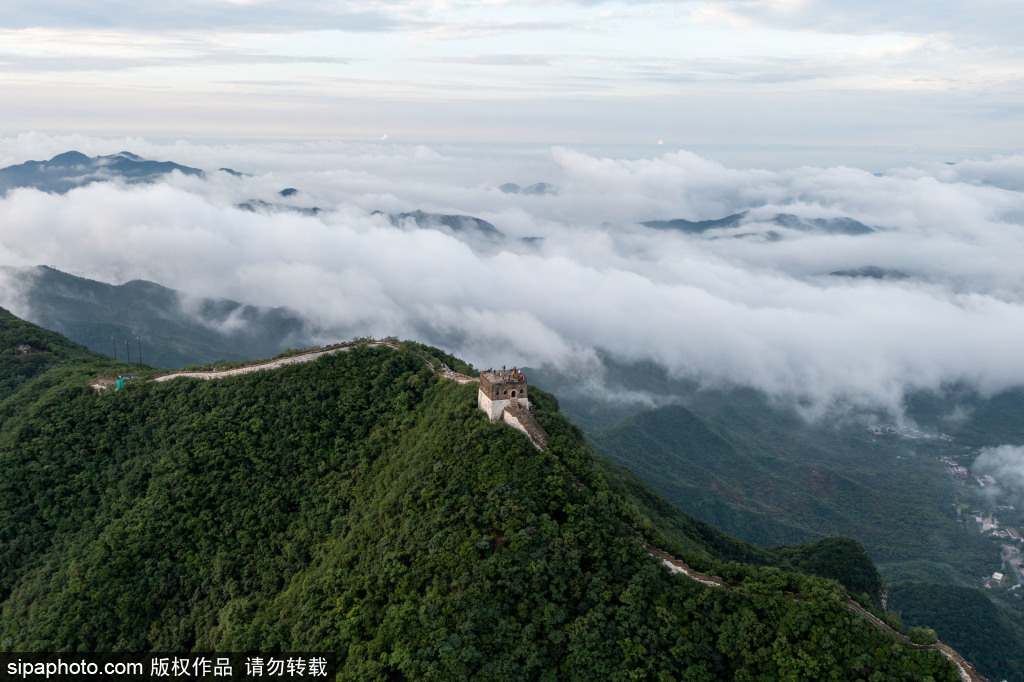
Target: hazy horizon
[(692, 74), (39, 146)]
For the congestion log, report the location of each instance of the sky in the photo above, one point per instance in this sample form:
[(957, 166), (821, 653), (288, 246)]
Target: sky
[(940, 78)]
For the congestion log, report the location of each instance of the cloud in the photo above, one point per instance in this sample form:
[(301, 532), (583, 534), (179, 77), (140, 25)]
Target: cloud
[(161, 17), (1005, 464), (496, 59), (753, 304), (986, 20), (35, 64), (15, 285), (983, 22)]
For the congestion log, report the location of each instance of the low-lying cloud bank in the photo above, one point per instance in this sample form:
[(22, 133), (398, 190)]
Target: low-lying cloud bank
[(752, 304), (1005, 464)]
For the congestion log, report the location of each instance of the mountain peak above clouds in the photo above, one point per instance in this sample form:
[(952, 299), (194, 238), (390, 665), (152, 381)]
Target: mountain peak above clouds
[(458, 225), (538, 188), (841, 225), (71, 158), (73, 169)]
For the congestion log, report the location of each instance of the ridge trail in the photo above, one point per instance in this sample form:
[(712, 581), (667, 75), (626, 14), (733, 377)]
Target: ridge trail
[(263, 365), (965, 669)]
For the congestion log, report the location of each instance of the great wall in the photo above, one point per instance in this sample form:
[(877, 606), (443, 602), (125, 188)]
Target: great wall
[(965, 670), (263, 365), (515, 411), (503, 397)]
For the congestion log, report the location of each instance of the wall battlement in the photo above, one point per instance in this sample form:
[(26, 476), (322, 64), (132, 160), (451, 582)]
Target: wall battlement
[(498, 388), (502, 396)]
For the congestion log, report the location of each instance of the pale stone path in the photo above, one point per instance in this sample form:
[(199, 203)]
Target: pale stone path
[(965, 669), (455, 376), (306, 356)]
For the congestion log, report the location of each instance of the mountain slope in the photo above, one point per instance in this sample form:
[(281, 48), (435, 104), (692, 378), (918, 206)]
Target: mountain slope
[(362, 504), (74, 169), (676, 451), (477, 233), (28, 351), (759, 472), (175, 330), (967, 620), (780, 479)]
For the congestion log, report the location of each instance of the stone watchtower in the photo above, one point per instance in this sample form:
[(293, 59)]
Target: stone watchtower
[(502, 396), (498, 390)]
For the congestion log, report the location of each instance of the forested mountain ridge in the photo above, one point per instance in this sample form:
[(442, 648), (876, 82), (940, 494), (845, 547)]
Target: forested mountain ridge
[(72, 169), (362, 505), (176, 330)]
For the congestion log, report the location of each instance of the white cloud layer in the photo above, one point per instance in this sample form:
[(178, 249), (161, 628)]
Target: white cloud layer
[(753, 305), (1005, 464)]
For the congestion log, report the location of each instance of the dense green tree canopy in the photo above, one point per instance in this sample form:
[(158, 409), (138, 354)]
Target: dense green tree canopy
[(362, 505)]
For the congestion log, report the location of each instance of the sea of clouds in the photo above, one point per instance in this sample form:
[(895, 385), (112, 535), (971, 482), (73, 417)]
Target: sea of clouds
[(753, 305)]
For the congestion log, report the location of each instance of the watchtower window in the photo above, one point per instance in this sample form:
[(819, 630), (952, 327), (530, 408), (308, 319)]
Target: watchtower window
[(513, 394)]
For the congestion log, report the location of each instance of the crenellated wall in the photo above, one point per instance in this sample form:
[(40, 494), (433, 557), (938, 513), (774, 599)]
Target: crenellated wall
[(498, 390), (502, 396)]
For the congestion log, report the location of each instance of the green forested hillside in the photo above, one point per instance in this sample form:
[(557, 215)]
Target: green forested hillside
[(772, 482), (47, 351), (760, 472), (981, 420), (176, 329), (967, 620), (705, 474), (359, 504)]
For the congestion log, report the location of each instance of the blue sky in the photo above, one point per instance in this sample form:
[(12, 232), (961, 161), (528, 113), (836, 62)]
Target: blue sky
[(936, 75)]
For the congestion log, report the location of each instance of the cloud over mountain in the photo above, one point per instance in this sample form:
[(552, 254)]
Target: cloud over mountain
[(756, 303), (1005, 463)]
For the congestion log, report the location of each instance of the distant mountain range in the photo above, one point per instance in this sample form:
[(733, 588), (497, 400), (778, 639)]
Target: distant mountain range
[(536, 189), (73, 169), (842, 225), (479, 234), (175, 329)]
